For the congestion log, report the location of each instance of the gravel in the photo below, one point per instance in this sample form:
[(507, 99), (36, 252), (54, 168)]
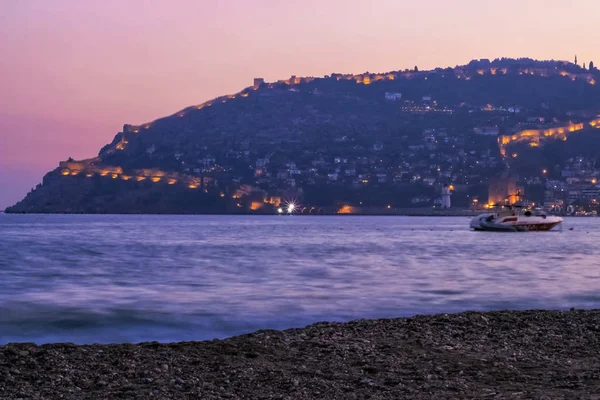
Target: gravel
[(497, 355)]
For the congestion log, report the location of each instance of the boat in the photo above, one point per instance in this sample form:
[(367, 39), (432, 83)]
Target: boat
[(515, 218)]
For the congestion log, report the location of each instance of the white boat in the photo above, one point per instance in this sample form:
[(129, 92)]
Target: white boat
[(515, 218)]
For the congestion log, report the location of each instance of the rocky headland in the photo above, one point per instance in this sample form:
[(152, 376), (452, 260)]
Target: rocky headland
[(342, 143), (500, 355)]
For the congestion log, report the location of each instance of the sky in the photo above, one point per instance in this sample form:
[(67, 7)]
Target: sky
[(73, 72)]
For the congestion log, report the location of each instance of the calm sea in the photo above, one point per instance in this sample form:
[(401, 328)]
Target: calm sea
[(107, 278)]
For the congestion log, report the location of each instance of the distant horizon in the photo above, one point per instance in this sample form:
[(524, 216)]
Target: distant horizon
[(78, 71)]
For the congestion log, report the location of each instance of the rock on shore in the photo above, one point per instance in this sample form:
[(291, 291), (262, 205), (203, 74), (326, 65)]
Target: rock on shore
[(501, 355)]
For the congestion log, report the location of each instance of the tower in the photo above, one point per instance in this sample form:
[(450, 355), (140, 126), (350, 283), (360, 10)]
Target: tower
[(446, 193), (575, 59), (258, 82)]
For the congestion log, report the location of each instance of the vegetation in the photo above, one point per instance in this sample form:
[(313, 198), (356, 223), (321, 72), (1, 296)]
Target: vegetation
[(341, 140)]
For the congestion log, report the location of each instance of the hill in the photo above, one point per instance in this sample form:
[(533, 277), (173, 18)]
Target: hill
[(367, 140)]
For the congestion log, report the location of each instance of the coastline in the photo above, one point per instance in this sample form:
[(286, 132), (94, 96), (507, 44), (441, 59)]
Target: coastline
[(416, 213), (506, 354), (405, 212)]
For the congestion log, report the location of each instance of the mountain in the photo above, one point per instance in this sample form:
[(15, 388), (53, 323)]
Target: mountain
[(335, 142)]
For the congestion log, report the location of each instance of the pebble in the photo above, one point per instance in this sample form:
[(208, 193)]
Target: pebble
[(531, 353)]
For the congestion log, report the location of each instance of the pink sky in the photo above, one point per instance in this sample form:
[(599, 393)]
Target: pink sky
[(73, 72)]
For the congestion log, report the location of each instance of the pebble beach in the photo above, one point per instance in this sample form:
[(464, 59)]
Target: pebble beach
[(500, 355)]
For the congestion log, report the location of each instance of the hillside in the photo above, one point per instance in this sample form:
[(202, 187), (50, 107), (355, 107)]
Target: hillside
[(368, 140)]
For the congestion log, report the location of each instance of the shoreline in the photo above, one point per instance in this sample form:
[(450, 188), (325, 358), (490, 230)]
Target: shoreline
[(501, 354), (403, 213), (265, 215), (399, 212), (416, 214)]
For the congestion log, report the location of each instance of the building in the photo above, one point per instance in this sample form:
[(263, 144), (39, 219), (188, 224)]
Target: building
[(487, 130), (382, 178), (393, 96), (283, 174), (503, 188), (258, 82), (208, 161), (446, 193), (261, 162)]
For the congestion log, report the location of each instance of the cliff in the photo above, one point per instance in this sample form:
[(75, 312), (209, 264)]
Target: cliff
[(285, 139)]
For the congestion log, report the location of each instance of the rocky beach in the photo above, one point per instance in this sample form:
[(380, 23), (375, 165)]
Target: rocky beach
[(501, 355)]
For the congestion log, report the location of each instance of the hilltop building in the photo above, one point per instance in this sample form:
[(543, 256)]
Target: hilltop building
[(258, 82)]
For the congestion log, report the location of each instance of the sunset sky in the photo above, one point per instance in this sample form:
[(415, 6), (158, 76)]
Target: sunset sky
[(72, 72)]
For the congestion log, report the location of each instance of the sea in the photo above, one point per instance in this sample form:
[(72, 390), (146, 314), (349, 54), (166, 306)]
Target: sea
[(136, 278)]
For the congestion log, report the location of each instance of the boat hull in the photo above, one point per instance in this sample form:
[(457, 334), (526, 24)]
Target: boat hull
[(487, 222)]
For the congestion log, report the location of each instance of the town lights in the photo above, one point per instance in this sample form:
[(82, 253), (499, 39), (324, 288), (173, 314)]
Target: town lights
[(280, 210), (291, 208)]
